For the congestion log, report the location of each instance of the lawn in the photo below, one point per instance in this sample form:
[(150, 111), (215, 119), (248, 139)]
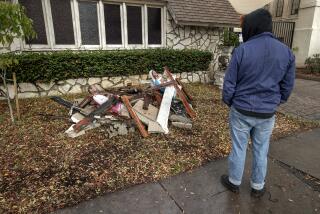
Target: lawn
[(42, 170)]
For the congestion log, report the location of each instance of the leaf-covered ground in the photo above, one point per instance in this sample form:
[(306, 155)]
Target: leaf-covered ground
[(42, 170)]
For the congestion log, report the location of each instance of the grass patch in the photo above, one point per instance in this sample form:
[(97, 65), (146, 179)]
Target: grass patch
[(42, 170)]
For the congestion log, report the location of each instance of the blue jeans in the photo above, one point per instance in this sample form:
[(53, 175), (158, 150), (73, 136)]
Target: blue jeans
[(241, 128)]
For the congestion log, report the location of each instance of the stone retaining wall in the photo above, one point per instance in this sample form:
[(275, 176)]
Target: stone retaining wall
[(73, 86)]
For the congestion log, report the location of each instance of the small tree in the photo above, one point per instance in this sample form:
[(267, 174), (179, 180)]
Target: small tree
[(14, 24)]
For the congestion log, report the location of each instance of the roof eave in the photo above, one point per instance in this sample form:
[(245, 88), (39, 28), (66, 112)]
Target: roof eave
[(207, 24)]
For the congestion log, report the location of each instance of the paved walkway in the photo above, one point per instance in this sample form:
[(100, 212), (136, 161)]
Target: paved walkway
[(304, 101), (201, 192), (301, 151)]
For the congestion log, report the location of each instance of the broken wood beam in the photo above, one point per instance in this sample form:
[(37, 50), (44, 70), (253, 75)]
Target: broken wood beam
[(85, 101), (146, 101), (184, 90), (160, 86), (98, 112), (180, 93), (158, 97), (140, 126)]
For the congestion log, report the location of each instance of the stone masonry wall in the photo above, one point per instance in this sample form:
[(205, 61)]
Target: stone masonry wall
[(73, 86), (195, 37)]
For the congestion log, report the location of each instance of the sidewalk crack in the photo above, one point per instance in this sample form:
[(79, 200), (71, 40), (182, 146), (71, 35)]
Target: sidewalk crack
[(304, 177), (177, 204), (218, 193)]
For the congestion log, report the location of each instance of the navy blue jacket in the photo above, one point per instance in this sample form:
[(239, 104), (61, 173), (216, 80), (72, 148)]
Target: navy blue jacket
[(260, 75)]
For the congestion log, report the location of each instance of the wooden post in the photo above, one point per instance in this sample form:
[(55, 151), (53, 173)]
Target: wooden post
[(16, 94), (141, 128)]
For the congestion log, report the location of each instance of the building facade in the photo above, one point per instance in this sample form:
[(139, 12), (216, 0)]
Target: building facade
[(126, 24), (306, 16)]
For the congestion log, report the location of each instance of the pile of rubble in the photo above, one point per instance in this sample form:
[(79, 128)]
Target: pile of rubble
[(122, 109)]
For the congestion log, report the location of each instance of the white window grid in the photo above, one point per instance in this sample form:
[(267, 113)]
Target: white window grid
[(101, 26)]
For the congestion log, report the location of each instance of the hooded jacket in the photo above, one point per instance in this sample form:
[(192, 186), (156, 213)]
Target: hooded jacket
[(261, 72)]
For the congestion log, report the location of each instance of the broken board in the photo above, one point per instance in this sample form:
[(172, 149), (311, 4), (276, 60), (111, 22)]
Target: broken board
[(165, 106)]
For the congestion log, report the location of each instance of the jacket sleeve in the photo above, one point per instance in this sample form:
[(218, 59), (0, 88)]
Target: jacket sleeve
[(230, 79), (287, 83)]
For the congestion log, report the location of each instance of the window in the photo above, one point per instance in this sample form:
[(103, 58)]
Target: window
[(96, 24), (62, 22), (35, 12), (154, 26), (295, 7), (112, 18), (134, 24), (279, 8), (89, 23)]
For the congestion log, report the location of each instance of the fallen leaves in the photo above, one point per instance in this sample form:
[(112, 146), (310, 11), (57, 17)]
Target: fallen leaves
[(42, 170)]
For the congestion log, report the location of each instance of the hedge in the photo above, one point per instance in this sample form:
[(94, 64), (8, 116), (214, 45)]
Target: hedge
[(313, 63), (55, 66)]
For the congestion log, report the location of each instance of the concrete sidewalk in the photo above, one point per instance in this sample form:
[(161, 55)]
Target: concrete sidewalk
[(200, 191), (304, 100)]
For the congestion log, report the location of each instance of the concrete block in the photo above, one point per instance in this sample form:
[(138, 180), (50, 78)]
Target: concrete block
[(182, 125)]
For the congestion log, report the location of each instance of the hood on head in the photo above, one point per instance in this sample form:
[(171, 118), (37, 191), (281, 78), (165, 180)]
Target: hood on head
[(256, 22)]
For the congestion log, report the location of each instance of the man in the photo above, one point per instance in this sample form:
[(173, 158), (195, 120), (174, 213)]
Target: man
[(260, 77)]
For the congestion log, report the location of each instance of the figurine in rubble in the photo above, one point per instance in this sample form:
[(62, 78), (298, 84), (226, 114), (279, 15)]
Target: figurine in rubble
[(259, 78)]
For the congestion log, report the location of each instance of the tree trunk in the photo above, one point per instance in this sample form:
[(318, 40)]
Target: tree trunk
[(7, 94)]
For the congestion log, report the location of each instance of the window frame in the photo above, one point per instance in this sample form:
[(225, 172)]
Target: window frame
[(48, 21), (292, 6), (143, 23), (80, 45), (53, 40), (277, 8), (26, 46), (163, 18), (106, 46)]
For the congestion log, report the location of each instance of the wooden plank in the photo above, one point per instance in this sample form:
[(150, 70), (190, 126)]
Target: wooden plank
[(180, 93), (140, 126)]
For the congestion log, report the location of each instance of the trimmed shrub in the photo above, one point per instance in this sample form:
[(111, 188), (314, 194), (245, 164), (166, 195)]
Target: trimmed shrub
[(313, 64), (55, 66)]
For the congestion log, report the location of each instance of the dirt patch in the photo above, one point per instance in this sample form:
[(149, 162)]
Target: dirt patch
[(42, 170)]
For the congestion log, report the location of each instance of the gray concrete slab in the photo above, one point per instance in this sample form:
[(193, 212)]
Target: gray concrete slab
[(203, 181), (304, 100), (301, 151), (146, 198), (286, 193)]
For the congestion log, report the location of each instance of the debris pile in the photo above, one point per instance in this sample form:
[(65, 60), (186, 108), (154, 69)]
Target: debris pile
[(122, 109)]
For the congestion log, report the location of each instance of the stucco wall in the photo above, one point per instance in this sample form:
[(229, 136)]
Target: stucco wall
[(286, 14), (306, 40), (307, 32)]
